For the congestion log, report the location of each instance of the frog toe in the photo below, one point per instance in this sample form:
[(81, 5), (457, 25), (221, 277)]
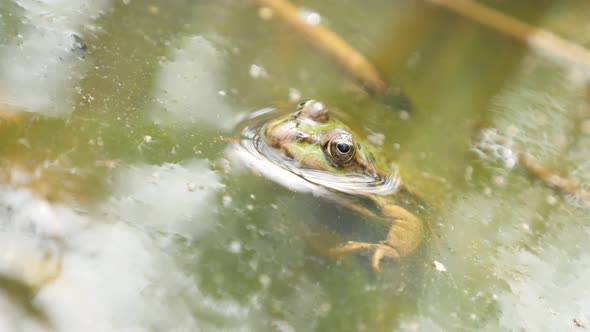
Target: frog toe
[(382, 251), (379, 251)]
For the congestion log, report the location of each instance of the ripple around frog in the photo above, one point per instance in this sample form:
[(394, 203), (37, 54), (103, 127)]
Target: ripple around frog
[(258, 155)]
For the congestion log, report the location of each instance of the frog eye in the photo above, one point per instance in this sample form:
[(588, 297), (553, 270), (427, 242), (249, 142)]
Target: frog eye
[(340, 149)]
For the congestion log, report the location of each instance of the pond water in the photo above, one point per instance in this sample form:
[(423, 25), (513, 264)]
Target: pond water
[(120, 210)]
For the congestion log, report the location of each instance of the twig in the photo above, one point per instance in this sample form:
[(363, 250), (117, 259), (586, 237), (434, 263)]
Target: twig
[(553, 179), (495, 146), (354, 63), (546, 42)]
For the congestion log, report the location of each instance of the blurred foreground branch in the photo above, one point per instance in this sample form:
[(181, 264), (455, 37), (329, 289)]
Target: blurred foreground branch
[(546, 42)]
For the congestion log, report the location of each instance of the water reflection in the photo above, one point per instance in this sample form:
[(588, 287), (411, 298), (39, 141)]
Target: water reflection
[(191, 86), (93, 271), (172, 198), (42, 64)]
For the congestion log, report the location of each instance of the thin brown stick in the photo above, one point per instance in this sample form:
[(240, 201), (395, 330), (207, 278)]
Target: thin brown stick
[(354, 63), (546, 42), (553, 179)]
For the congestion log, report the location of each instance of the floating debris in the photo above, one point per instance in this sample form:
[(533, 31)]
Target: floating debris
[(439, 266), (377, 139), (264, 280), (235, 247), (577, 323), (227, 200), (499, 180), (501, 148), (265, 13), (190, 187), (404, 115), (154, 10), (294, 95), (257, 71), (493, 145)]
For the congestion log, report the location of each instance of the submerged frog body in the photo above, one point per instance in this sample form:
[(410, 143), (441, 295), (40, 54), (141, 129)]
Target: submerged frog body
[(310, 150)]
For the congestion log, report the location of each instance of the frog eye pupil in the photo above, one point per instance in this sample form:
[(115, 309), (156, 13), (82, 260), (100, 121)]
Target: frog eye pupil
[(339, 147), (343, 147)]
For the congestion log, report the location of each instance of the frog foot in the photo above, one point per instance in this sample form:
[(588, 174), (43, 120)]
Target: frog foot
[(379, 250)]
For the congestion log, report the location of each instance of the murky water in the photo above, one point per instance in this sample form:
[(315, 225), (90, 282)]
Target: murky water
[(119, 210)]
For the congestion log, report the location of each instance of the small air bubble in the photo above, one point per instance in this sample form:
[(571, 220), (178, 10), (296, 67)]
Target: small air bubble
[(154, 10), (227, 201), (551, 200), (264, 280), (512, 131), (325, 308), (468, 173), (265, 13), (235, 247), (376, 139), (294, 95), (310, 17), (257, 71), (190, 187), (404, 115), (499, 180)]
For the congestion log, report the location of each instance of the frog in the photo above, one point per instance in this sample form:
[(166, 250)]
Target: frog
[(321, 152)]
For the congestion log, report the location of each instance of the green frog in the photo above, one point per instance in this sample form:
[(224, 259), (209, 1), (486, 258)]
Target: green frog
[(310, 150)]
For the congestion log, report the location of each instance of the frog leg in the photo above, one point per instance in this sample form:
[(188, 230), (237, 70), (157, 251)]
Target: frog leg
[(403, 238)]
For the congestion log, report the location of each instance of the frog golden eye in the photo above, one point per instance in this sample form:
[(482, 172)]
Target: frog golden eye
[(339, 148)]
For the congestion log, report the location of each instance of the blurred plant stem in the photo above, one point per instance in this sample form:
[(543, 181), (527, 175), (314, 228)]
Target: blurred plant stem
[(545, 42), (554, 180), (334, 47)]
